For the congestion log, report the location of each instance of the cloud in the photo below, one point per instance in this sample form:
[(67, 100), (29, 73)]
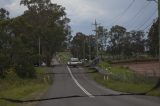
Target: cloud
[(83, 12), (15, 8)]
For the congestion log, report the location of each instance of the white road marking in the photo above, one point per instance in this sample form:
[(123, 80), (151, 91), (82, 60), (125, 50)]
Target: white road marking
[(80, 86)]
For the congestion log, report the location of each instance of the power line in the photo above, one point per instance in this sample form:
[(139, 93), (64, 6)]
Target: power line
[(148, 26), (136, 15), (121, 15), (147, 20)]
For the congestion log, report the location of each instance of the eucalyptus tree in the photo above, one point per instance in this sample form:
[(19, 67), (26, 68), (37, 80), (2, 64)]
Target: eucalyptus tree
[(41, 29), (49, 25), (116, 36), (4, 41), (83, 46), (102, 39), (153, 38)]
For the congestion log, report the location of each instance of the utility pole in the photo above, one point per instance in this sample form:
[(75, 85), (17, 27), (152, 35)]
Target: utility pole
[(90, 48), (96, 36)]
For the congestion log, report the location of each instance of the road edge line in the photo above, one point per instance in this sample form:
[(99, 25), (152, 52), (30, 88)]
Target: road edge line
[(78, 84)]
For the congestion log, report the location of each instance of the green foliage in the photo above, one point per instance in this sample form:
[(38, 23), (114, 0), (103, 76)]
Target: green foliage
[(104, 65), (33, 37), (49, 25), (17, 88), (4, 64), (153, 38), (4, 14), (64, 56), (124, 74), (102, 37), (124, 86), (4, 44), (25, 71), (123, 44), (83, 46)]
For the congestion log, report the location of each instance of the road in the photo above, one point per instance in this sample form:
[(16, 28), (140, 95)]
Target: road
[(75, 81)]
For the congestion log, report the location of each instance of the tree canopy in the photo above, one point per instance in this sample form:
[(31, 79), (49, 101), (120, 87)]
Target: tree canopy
[(153, 39), (33, 37)]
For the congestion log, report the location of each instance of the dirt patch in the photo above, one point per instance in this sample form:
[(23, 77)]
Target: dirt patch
[(147, 68)]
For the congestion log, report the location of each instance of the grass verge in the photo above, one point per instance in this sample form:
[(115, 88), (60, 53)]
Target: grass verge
[(17, 88), (124, 80)]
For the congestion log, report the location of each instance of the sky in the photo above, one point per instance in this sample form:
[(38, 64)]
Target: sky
[(131, 14)]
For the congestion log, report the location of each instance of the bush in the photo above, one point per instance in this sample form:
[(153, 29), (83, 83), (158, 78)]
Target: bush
[(25, 71), (4, 64)]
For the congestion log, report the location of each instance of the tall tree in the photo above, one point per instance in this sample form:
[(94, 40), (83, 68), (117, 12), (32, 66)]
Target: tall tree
[(83, 46), (43, 25), (5, 42), (102, 38), (4, 14), (78, 45), (153, 38), (49, 23), (137, 42), (117, 34)]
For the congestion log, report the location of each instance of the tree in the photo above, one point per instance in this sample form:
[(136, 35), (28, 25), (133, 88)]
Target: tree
[(4, 53), (116, 36), (83, 46), (153, 38), (102, 38), (4, 14), (78, 44), (126, 45), (50, 25), (22, 58), (67, 43), (4, 42), (137, 42), (20, 36), (123, 44)]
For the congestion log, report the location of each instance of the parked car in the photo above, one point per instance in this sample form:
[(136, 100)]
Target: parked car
[(74, 62)]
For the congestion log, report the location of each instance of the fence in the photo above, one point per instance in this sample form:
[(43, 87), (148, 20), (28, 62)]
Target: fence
[(135, 77), (132, 76)]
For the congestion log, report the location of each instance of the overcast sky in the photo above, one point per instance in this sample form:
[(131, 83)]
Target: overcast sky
[(132, 14)]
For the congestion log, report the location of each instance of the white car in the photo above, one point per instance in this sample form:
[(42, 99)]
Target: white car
[(74, 62)]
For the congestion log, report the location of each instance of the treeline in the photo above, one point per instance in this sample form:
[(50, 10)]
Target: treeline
[(117, 43), (83, 46), (32, 38)]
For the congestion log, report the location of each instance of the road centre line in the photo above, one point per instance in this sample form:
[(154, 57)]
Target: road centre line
[(80, 86)]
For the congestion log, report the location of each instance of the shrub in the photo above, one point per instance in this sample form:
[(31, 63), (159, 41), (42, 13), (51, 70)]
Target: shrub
[(25, 71)]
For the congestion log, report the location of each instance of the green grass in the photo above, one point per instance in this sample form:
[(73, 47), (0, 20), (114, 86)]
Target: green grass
[(17, 88), (115, 69), (64, 56), (125, 80), (124, 86), (121, 73)]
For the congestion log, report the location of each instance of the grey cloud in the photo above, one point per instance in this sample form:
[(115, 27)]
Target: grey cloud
[(83, 12)]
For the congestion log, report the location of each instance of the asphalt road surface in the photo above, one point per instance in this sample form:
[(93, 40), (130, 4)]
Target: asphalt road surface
[(75, 81)]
